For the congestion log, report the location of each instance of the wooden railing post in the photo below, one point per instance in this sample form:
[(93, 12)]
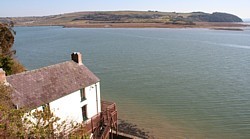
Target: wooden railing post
[(92, 126)]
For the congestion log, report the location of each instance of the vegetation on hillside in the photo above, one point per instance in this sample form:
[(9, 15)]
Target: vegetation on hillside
[(79, 18), (7, 56), (155, 17), (214, 17)]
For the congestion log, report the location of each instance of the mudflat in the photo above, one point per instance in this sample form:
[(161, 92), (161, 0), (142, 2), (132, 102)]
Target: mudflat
[(212, 25)]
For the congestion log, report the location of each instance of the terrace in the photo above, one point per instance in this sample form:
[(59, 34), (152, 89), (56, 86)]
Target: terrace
[(102, 123)]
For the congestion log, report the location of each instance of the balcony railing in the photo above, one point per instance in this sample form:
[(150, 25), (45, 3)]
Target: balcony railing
[(103, 122)]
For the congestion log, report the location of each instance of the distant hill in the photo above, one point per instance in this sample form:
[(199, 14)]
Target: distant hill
[(79, 18), (214, 17)]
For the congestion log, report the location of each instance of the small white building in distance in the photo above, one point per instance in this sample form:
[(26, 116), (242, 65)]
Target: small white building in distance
[(69, 89)]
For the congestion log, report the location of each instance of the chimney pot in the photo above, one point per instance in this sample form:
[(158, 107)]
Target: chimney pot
[(2, 76), (77, 57)]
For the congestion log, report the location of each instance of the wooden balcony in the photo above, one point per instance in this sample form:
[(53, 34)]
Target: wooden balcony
[(102, 123)]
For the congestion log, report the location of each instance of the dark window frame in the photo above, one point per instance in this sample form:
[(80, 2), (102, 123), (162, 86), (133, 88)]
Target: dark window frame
[(83, 94), (84, 112)]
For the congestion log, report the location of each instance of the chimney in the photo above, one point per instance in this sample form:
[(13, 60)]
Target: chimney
[(2, 76), (77, 57)]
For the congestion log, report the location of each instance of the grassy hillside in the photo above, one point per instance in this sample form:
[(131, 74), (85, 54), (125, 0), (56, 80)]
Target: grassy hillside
[(124, 17)]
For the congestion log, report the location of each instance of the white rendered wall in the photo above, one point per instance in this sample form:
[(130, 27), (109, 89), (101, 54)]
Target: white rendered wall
[(70, 107), (92, 101)]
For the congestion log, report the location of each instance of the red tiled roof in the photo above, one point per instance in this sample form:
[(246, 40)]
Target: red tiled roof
[(37, 87)]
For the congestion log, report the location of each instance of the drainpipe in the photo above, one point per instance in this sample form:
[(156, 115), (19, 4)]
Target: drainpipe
[(96, 98)]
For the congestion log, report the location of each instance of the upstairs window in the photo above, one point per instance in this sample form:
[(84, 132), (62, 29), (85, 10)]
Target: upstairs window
[(82, 92)]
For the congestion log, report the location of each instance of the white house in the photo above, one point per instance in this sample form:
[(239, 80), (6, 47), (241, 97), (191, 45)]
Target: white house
[(69, 89)]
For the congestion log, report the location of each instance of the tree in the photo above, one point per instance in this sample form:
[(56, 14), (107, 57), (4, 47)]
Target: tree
[(44, 124), (10, 118), (6, 39), (7, 59)]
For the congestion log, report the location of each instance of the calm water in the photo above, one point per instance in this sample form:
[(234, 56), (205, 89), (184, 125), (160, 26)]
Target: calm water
[(174, 83)]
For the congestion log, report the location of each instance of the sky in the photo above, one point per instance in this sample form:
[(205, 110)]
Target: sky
[(15, 8)]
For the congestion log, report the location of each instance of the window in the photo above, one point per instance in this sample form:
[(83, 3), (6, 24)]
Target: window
[(83, 97), (84, 113)]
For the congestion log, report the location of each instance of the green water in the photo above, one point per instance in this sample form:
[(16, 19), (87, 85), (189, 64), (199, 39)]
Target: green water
[(174, 83)]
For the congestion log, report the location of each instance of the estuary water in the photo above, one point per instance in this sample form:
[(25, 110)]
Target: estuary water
[(174, 83)]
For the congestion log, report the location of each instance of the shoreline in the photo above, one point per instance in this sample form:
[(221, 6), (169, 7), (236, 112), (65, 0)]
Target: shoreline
[(132, 129), (208, 25)]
